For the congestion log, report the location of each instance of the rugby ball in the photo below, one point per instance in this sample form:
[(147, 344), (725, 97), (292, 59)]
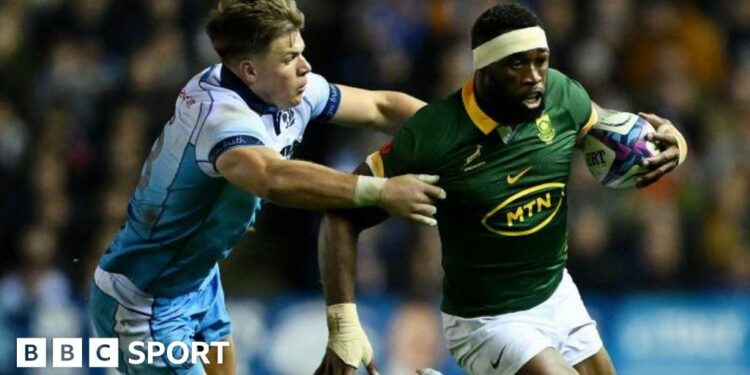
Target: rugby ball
[(616, 146)]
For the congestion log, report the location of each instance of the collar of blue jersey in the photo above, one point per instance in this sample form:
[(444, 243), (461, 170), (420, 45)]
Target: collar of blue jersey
[(481, 120), (230, 81)]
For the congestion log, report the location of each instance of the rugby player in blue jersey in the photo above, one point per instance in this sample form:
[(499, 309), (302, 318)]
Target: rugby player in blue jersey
[(226, 148)]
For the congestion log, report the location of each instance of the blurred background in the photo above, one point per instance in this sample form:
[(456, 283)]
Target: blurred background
[(86, 85)]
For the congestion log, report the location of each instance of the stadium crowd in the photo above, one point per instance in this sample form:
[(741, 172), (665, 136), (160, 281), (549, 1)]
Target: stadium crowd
[(86, 85)]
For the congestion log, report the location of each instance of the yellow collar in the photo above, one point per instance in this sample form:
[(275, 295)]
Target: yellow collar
[(481, 120)]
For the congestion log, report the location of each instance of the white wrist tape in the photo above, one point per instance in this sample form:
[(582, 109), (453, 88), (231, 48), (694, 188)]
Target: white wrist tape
[(681, 142), (346, 337), (369, 191), (507, 44)]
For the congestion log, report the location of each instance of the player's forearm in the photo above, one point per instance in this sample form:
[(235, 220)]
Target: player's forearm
[(337, 247), (337, 252), (394, 108), (309, 186), (337, 258), (264, 173)]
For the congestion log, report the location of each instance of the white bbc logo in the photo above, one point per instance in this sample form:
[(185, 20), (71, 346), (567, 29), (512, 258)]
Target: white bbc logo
[(105, 352), (66, 352), (31, 352)]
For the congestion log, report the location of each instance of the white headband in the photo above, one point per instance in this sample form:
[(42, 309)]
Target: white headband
[(507, 44)]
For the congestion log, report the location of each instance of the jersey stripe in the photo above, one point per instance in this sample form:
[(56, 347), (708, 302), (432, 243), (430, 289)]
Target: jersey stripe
[(210, 108)]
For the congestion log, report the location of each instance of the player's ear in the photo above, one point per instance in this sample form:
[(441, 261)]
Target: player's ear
[(248, 71)]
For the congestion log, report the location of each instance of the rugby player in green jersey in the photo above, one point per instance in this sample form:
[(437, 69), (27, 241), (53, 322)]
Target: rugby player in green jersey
[(502, 146)]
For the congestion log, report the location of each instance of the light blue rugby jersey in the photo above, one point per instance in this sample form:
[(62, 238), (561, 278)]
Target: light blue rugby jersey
[(183, 216)]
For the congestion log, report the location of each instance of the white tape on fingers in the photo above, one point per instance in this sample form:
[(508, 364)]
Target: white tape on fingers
[(441, 194), (423, 219), (426, 209), (428, 178)]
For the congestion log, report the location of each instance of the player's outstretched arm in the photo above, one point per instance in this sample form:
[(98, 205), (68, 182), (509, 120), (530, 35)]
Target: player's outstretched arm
[(385, 111), (263, 172), (348, 345)]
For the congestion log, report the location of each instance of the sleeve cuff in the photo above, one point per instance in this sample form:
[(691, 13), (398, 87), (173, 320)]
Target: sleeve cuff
[(332, 105), (593, 118), (229, 143)]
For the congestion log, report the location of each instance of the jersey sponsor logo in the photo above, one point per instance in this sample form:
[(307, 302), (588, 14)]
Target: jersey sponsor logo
[(545, 130), (513, 179), (527, 211), (473, 157), (189, 100), (231, 142)]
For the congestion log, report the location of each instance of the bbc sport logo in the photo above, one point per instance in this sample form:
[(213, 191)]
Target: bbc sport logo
[(31, 352)]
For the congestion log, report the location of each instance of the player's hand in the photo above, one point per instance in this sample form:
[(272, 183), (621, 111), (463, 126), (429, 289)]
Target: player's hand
[(411, 196), (348, 345), (333, 365), (666, 139)]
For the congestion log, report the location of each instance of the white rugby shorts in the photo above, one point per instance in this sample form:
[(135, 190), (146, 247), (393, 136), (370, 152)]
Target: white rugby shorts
[(502, 344)]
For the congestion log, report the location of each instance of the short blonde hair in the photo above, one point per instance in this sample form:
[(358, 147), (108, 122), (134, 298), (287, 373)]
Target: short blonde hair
[(238, 28)]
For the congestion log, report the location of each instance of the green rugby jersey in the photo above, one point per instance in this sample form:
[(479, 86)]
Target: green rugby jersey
[(503, 225)]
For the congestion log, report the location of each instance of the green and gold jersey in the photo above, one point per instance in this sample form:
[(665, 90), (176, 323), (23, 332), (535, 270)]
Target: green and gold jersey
[(503, 225)]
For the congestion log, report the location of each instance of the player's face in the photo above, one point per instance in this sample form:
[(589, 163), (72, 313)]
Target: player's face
[(281, 72), (516, 83)]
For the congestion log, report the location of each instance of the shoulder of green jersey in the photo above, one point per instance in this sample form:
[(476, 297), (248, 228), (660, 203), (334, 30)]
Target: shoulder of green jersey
[(569, 94)]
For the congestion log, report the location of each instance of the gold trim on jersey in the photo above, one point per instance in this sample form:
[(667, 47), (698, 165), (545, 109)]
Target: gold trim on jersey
[(480, 119), (540, 202), (375, 162), (592, 120)]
